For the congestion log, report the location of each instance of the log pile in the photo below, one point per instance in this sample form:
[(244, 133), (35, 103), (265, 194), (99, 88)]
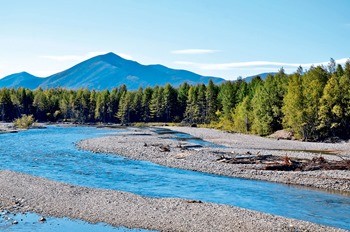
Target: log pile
[(278, 163)]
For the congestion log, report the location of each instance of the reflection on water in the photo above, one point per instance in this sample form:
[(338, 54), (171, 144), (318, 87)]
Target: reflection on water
[(51, 153)]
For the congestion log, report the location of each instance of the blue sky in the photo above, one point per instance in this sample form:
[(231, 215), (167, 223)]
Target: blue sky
[(225, 38)]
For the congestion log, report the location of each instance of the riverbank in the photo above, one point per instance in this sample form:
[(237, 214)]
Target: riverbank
[(7, 128), (145, 144), (25, 193)]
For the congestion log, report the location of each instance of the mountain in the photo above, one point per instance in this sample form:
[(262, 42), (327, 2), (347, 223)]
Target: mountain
[(107, 72), (22, 79), (262, 76)]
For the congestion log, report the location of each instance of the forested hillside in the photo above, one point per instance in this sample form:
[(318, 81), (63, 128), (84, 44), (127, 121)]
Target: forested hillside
[(313, 105)]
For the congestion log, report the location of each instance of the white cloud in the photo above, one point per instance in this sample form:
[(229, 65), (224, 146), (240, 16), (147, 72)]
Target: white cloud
[(125, 56), (194, 51), (252, 64), (78, 58)]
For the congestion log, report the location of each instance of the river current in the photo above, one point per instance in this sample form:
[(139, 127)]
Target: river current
[(51, 153)]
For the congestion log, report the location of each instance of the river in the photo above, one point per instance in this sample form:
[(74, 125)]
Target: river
[(51, 153)]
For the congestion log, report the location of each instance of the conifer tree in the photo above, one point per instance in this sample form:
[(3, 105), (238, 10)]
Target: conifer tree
[(242, 116), (293, 106), (211, 102)]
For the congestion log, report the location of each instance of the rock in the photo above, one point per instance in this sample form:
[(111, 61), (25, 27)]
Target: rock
[(282, 134), (194, 201)]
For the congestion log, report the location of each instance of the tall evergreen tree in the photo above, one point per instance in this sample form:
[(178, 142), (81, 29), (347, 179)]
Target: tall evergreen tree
[(293, 106), (211, 102), (242, 116), (313, 81), (146, 99), (6, 105), (169, 102)]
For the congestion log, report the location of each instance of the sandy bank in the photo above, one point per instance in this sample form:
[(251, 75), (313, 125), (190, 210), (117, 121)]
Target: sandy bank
[(24, 193)]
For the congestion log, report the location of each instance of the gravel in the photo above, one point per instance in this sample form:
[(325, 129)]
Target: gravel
[(244, 141), (25, 193), (144, 144)]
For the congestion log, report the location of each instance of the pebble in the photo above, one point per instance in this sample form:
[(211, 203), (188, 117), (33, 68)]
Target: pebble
[(204, 159), (134, 211)]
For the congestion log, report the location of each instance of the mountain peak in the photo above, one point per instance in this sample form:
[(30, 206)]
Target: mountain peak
[(25, 74), (111, 58), (109, 54), (107, 71), (22, 79)]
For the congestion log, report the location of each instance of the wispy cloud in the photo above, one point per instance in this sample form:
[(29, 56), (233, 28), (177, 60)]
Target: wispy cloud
[(252, 64), (194, 51), (77, 58)]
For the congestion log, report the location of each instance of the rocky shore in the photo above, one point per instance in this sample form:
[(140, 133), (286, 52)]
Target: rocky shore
[(7, 128), (145, 144), (25, 193)]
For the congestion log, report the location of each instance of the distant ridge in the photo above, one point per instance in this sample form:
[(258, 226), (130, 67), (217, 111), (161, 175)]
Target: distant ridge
[(107, 72), (261, 75), (22, 79)]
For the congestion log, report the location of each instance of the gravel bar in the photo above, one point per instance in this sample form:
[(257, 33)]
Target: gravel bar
[(145, 144), (25, 193)]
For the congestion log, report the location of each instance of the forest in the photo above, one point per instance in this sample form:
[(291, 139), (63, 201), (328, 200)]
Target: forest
[(313, 104)]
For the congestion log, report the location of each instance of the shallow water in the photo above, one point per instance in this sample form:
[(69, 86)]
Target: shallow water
[(51, 153), (179, 136), (29, 222)]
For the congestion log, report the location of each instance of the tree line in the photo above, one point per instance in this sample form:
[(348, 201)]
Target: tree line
[(312, 104)]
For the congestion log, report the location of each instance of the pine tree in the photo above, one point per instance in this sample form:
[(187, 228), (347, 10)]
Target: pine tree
[(146, 99), (211, 102), (6, 105), (293, 106), (169, 102), (227, 98), (182, 100), (192, 110), (156, 104), (102, 105), (136, 106), (201, 103), (313, 81), (242, 116), (267, 103), (125, 107), (330, 111)]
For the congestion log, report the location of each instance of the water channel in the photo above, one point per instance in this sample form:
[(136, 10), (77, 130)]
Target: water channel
[(51, 153)]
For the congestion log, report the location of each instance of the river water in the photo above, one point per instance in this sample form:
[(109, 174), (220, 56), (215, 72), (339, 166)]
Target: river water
[(51, 153)]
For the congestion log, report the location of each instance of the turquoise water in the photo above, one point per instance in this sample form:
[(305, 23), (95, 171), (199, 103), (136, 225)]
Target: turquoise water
[(51, 153), (29, 222)]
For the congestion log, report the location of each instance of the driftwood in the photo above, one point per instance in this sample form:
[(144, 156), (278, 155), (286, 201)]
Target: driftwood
[(286, 163), (248, 158), (164, 148)]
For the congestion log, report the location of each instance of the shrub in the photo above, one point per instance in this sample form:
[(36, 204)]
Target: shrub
[(24, 122)]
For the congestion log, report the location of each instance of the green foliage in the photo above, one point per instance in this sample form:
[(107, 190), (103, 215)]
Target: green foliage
[(24, 122), (242, 116), (293, 106), (313, 105), (227, 98)]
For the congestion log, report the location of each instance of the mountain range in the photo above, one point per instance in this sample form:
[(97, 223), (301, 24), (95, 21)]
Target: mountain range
[(261, 75), (107, 72)]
